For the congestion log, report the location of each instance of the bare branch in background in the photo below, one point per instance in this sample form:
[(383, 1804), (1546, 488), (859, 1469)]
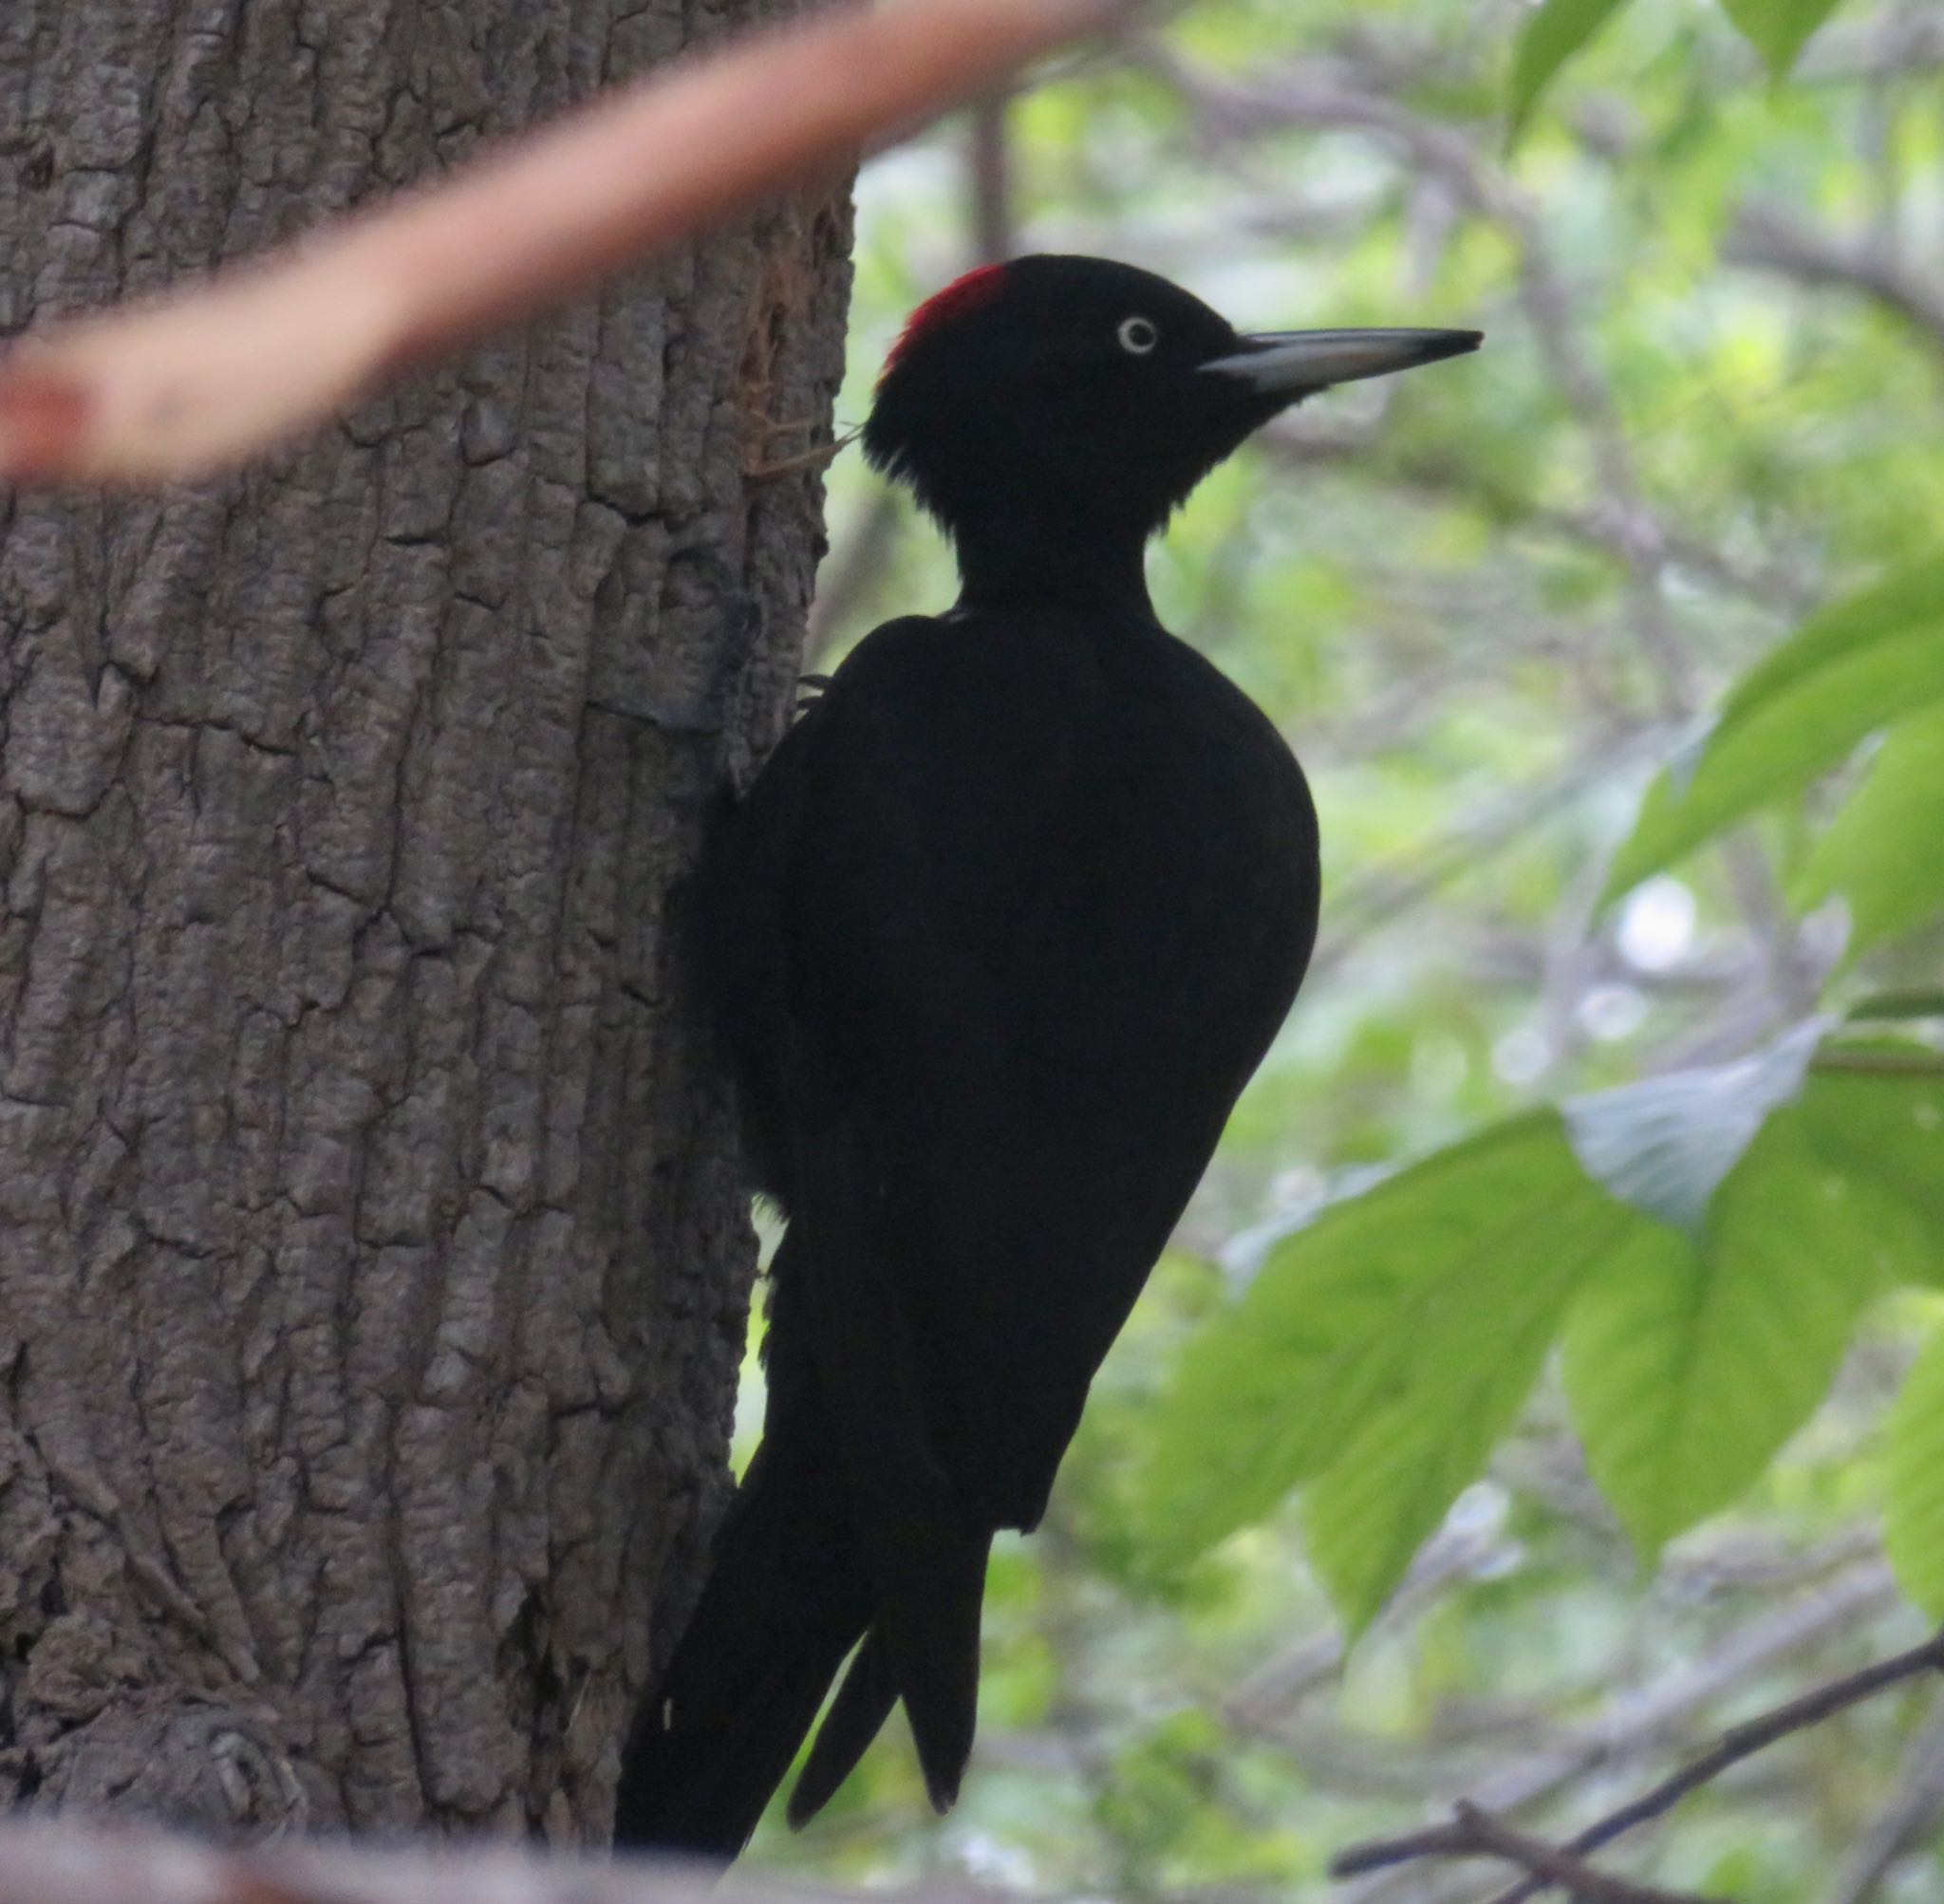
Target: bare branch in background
[(1902, 42), (1474, 1831), (1635, 1721), (1771, 582), (199, 380), (1767, 237), (1318, 97), (1549, 1866), (1322, 96), (1380, 895)]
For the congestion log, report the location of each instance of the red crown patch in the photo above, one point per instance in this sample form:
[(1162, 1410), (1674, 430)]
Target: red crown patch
[(963, 294)]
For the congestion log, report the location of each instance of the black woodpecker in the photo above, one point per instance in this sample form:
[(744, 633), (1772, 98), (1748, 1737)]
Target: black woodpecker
[(999, 935)]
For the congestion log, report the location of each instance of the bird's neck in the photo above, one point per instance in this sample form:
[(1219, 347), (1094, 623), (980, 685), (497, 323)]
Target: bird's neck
[(1049, 553)]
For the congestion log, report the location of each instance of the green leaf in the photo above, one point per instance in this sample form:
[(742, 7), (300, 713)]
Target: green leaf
[(1778, 30), (1665, 1144), (1913, 1464), (1862, 664), (1886, 1128), (1688, 1364), (1399, 1327), (1880, 852), (1414, 1451), (1898, 1005), (1549, 38), (1913, 597), (1384, 1348)]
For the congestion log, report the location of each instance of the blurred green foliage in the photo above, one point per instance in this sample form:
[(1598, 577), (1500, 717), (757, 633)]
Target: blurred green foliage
[(1778, 30), (1554, 1346)]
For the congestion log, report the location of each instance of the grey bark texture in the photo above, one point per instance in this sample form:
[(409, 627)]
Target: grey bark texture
[(372, 1258)]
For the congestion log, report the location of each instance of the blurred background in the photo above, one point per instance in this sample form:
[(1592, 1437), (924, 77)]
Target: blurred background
[(1483, 603)]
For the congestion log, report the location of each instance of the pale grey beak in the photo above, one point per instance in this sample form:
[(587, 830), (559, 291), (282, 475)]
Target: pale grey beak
[(1313, 360)]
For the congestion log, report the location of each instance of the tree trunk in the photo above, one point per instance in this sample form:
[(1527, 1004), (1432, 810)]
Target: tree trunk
[(372, 1260)]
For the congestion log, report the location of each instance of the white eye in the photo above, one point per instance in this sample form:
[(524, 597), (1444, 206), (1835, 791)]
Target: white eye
[(1138, 335)]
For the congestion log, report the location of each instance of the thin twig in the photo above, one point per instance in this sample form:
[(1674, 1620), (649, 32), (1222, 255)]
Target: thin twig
[(1462, 1839), (1477, 1833), (1744, 1740), (1549, 1864)]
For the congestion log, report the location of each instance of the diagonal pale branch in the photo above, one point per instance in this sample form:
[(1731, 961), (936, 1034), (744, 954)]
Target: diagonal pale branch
[(199, 380)]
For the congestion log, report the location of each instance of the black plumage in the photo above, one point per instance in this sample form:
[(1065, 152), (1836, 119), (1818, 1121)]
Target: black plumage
[(1000, 932)]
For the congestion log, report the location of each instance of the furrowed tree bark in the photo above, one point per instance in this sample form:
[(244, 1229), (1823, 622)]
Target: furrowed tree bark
[(372, 1258)]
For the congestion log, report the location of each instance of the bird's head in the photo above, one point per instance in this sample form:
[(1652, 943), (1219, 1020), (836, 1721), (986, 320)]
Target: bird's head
[(1074, 402)]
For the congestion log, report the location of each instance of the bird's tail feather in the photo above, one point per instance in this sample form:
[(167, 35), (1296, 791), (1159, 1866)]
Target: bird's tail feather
[(930, 1622), (799, 1574), (923, 1643), (925, 1555), (857, 1714), (787, 1599)]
